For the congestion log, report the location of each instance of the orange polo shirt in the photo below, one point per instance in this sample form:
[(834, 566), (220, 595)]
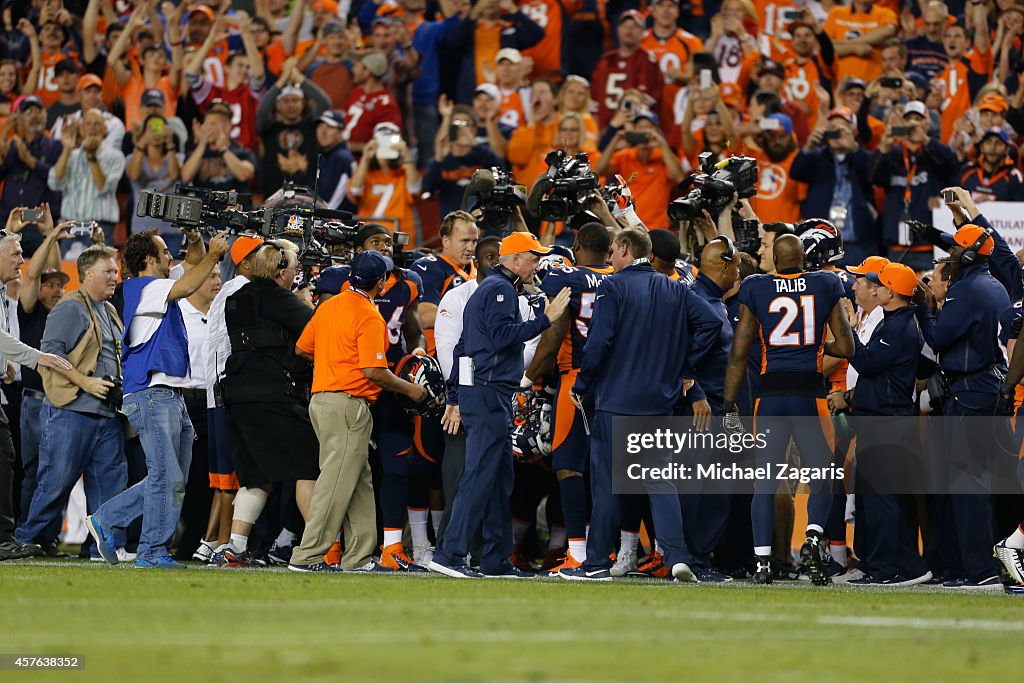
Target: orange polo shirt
[(345, 335)]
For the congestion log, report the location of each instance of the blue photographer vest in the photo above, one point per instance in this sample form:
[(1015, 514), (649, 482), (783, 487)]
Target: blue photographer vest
[(166, 351)]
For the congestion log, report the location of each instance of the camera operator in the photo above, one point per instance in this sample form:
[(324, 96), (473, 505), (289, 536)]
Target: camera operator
[(912, 168), (965, 335), (154, 365), (994, 176), (458, 153), (83, 433), (645, 153), (266, 393), (347, 339), (836, 169)]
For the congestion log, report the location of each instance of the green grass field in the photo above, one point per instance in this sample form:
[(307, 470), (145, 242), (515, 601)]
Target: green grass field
[(254, 625)]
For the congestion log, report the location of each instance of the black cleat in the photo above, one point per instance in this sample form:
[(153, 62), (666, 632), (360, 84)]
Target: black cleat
[(810, 555), (763, 574)]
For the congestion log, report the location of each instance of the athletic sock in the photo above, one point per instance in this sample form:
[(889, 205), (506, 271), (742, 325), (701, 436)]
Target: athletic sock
[(285, 538), (628, 541), (418, 526), (574, 502), (559, 537), (838, 552), (578, 549), (239, 542), (1016, 539), (392, 536), (763, 551), (435, 521)]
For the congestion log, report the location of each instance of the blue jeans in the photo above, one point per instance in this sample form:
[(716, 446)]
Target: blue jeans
[(29, 451), (158, 414), (73, 444)]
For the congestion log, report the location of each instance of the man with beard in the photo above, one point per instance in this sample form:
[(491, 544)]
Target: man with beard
[(27, 159), (993, 176), (808, 70), (778, 196)]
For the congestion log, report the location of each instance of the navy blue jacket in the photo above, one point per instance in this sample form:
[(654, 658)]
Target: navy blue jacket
[(647, 333), (818, 170), (934, 165), (1003, 262), (522, 32), (887, 366), (965, 333), (709, 383), (493, 333)]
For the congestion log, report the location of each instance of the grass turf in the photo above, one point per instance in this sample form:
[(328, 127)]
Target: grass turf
[(253, 625)]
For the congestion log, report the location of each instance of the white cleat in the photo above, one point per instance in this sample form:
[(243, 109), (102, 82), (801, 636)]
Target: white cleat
[(624, 563), (422, 554), (682, 572), (1012, 559)]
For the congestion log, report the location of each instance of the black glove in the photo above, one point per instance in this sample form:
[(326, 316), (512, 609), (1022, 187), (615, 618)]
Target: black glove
[(1015, 326), (1005, 402)]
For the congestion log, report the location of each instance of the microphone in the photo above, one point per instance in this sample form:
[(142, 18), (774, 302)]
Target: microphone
[(539, 190), (480, 185)]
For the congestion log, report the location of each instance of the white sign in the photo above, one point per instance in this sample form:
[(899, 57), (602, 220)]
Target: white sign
[(1006, 217)]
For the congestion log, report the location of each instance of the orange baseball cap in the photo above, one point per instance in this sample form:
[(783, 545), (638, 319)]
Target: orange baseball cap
[(993, 102), (968, 234), (244, 246), (897, 277), (201, 9), (520, 243), (730, 93), (88, 80), (872, 264), (843, 113), (326, 6)]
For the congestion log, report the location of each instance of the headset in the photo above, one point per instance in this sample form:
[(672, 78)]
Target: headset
[(970, 254), (283, 263), (729, 255)]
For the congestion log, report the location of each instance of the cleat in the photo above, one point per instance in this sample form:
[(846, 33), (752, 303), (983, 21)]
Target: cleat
[(164, 562), (333, 556), (810, 555), (581, 574), (833, 568), (624, 563), (782, 571), (763, 573), (394, 558), (651, 567), (709, 575), (510, 572), (203, 553), (568, 562), (280, 554), (553, 558), (682, 572), (519, 561), (897, 581), (988, 583), (371, 567), (105, 544), (1012, 559), (849, 575), (422, 554), (232, 559), (318, 568), (456, 571), (1013, 590)]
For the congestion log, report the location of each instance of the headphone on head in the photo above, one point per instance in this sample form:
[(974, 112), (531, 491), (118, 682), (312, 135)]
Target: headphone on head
[(729, 255), (274, 244), (971, 253)]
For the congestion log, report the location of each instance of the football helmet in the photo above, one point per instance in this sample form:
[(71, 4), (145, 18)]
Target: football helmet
[(823, 243), (425, 371)]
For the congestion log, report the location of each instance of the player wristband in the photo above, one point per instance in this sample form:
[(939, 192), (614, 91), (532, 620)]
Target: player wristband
[(729, 406), (525, 382)]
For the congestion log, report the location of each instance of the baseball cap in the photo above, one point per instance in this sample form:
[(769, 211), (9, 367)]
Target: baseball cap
[(375, 63), (730, 94), (854, 82), (784, 120), (872, 264), (649, 115), (510, 53), (201, 9), (999, 132), (488, 89), (635, 15), (244, 246), (915, 107), (66, 65), (332, 118), (332, 27), (331, 280), (325, 6), (520, 243), (897, 277), (153, 98), (26, 101), (993, 102), (290, 91), (368, 267), (218, 106), (843, 113), (87, 81), (664, 244), (769, 66), (968, 234), (64, 277)]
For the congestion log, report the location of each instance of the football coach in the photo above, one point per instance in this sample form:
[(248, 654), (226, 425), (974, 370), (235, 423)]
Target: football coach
[(647, 333), (487, 372)]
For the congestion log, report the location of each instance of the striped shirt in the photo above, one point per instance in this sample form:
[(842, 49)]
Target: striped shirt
[(83, 201)]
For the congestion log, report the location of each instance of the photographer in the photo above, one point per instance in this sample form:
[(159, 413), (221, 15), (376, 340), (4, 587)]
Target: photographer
[(645, 153), (911, 170), (385, 181), (836, 169), (457, 155), (83, 434)]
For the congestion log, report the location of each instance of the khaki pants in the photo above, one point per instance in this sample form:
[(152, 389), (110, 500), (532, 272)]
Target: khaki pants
[(343, 494)]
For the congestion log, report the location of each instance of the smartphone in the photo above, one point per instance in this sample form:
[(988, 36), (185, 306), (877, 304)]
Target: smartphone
[(890, 82), (832, 135), (705, 79), (770, 124), (81, 228), (792, 14), (633, 139), (949, 196), (901, 131), (31, 215)]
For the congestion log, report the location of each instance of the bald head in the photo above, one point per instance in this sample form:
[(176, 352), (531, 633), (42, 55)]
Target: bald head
[(711, 255), (788, 252), (724, 272)]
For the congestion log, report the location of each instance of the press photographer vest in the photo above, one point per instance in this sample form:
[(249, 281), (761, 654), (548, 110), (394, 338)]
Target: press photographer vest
[(166, 351), (60, 390)]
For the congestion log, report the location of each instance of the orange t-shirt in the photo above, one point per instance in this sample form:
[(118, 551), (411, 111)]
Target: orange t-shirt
[(778, 196), (671, 53), (132, 96), (487, 40), (651, 188), (46, 87), (958, 91), (526, 151), (547, 54), (345, 335), (844, 23), (385, 194)]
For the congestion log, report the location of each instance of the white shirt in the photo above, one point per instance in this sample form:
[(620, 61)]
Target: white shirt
[(865, 329), (148, 316), (115, 128), (218, 341), (14, 327), (448, 325), (197, 329)]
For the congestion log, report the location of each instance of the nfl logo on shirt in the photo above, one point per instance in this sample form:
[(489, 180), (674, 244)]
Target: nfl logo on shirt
[(501, 297)]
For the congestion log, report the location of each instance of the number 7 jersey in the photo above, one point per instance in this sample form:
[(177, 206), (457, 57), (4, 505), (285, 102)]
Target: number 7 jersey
[(792, 313), (583, 282)]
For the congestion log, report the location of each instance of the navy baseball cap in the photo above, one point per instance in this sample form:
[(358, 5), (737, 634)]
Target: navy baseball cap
[(649, 115), (368, 267), (26, 101), (997, 131), (331, 280), (332, 118)]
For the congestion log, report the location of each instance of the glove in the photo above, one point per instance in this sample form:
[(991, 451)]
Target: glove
[(1015, 326), (731, 422), (1005, 402)]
